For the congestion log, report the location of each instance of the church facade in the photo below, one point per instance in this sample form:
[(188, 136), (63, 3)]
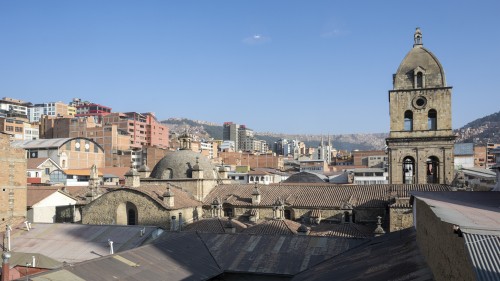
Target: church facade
[(420, 143)]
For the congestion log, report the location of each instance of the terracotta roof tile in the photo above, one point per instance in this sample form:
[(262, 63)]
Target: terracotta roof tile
[(33, 163), (214, 225), (318, 195), (344, 230), (274, 227)]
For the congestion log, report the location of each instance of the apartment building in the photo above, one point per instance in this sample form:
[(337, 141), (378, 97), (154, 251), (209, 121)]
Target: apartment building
[(10, 107), (54, 109)]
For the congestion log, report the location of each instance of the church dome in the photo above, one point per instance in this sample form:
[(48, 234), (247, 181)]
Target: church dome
[(419, 69), (180, 164)]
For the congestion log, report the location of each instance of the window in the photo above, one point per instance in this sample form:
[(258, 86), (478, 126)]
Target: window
[(432, 120), (408, 126), (10, 128), (19, 130), (47, 171), (420, 80), (408, 170), (432, 169)]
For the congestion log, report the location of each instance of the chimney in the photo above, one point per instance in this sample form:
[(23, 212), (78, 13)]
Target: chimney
[(5, 266), (7, 236), (111, 251), (180, 221), (33, 261)]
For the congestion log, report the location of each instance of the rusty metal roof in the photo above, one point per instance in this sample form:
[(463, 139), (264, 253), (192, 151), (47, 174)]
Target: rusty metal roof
[(393, 256)]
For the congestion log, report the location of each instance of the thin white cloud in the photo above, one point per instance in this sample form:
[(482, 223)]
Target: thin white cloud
[(332, 29), (256, 39)]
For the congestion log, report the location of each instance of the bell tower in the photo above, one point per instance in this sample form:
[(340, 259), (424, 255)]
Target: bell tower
[(420, 143)]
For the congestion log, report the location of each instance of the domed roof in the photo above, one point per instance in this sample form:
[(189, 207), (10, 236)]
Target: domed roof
[(419, 59), (179, 165)]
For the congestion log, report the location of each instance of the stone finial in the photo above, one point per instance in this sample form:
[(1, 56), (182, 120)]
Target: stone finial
[(417, 37), (168, 197), (256, 196), (379, 230)]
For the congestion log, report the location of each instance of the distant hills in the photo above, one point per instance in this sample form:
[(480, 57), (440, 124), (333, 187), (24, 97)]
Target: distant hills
[(207, 130), (480, 131)]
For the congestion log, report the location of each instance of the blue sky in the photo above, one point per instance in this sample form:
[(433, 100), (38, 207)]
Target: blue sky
[(317, 67)]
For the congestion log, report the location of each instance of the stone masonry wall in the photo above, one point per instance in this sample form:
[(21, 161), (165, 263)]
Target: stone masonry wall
[(444, 250), (106, 210)]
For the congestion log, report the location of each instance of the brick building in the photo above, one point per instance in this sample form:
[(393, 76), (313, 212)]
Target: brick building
[(12, 181)]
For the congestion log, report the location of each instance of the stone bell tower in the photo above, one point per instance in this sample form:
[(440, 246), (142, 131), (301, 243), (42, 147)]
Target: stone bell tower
[(420, 143)]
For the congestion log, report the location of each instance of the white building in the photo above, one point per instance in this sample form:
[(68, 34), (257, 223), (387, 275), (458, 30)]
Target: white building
[(50, 205), (370, 176)]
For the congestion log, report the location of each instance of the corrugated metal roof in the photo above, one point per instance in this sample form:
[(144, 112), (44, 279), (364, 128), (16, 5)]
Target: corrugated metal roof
[(40, 143), (484, 251), (178, 256), (77, 242), (41, 261), (393, 256), (461, 149)]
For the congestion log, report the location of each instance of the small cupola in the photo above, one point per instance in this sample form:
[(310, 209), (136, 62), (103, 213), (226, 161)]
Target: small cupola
[(303, 230), (417, 38), (279, 209), (132, 178), (256, 196), (197, 172), (216, 208)]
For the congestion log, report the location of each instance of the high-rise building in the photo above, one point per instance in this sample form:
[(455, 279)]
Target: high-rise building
[(420, 143), (54, 109), (230, 133)]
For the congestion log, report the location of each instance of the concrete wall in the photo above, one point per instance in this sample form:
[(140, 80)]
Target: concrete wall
[(444, 250), (45, 210)]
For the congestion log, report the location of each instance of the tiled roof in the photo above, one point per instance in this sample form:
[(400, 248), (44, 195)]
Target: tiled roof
[(81, 172), (182, 199), (316, 196), (117, 171), (33, 163), (36, 194), (344, 230), (214, 225), (274, 227)]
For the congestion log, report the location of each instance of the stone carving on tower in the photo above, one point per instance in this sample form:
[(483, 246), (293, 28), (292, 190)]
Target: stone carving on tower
[(420, 143)]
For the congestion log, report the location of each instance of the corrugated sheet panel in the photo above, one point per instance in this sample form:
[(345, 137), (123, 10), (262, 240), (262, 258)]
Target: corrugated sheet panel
[(484, 251)]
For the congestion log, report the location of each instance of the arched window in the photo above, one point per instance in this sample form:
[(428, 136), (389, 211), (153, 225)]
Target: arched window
[(432, 120), (251, 179), (408, 170), (408, 126), (228, 212), (432, 169), (420, 80)]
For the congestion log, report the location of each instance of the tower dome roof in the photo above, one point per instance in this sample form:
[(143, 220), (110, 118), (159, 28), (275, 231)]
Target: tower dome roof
[(180, 164), (419, 59)]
